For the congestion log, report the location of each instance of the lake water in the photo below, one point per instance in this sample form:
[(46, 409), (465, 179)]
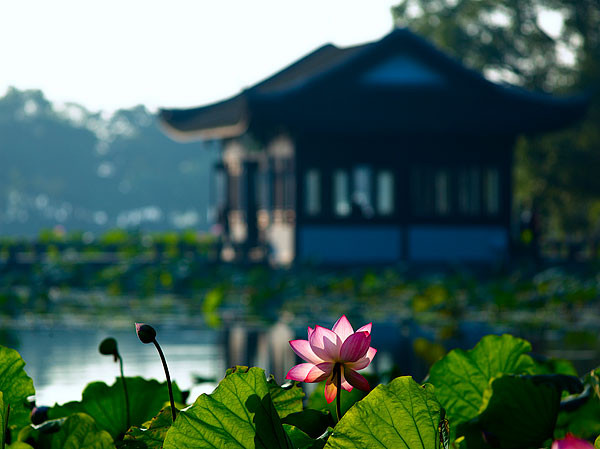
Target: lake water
[(62, 362)]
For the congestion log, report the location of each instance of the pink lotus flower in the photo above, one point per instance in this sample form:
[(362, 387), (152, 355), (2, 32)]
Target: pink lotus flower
[(327, 351), (572, 442)]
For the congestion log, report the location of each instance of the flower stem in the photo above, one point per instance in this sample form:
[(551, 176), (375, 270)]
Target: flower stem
[(338, 399), (164, 362), (5, 427), (125, 391)]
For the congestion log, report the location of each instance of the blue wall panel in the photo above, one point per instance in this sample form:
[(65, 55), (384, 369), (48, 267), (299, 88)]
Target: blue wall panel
[(349, 244), (457, 243)]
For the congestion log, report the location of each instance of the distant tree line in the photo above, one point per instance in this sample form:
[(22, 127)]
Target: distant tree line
[(81, 170)]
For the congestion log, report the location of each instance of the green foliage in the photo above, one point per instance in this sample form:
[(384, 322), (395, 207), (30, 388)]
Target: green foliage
[(349, 398), (3, 420), (462, 377), (509, 41), (19, 445), (516, 412), (287, 399), (152, 433), (584, 421), (312, 422), (401, 415), (16, 387), (80, 431), (107, 404), (492, 396), (239, 413), (301, 440), (212, 300)]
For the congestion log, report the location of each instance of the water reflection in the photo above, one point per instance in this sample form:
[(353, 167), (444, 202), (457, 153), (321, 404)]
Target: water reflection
[(62, 362)]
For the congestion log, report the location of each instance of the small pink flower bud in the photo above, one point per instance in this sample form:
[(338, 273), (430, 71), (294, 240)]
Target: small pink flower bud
[(145, 332), (39, 414), (572, 442)]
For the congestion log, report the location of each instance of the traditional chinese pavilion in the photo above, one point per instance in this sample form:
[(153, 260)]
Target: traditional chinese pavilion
[(382, 152)]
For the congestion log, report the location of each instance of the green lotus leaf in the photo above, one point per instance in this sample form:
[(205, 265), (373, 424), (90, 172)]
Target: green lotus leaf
[(556, 366), (570, 384), (16, 386), (349, 398), (3, 423), (239, 413), (312, 422), (81, 432), (402, 415), (299, 439), (597, 443), (583, 421), (107, 404), (286, 400), (516, 413), (461, 377), (152, 433)]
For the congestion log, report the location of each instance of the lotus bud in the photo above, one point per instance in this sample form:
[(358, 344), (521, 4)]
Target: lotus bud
[(145, 333), (109, 347), (571, 442), (39, 414)]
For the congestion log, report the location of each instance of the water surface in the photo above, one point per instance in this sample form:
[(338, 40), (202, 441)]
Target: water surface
[(62, 361)]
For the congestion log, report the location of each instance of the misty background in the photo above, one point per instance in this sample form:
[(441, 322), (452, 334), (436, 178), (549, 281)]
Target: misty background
[(66, 166)]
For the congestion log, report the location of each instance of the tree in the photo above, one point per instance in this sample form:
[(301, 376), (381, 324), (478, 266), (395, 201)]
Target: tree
[(551, 45)]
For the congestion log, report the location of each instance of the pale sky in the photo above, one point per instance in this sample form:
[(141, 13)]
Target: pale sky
[(113, 54)]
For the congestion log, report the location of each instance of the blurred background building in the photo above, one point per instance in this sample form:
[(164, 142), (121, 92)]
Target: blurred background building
[(377, 153)]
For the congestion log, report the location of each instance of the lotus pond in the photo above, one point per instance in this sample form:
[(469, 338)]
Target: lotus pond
[(495, 395), (498, 391)]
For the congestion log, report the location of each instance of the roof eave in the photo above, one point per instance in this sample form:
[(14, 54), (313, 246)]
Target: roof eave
[(194, 135)]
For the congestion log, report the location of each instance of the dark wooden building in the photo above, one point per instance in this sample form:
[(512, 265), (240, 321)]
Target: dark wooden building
[(382, 152)]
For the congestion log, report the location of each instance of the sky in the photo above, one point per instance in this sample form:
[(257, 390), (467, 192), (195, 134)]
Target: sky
[(112, 54)]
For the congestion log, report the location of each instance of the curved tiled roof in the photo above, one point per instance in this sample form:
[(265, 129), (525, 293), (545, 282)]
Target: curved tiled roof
[(323, 92)]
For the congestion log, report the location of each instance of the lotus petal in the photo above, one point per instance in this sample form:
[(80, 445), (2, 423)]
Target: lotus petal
[(320, 372), (325, 344), (355, 347), (330, 391), (343, 328), (364, 361), (366, 328), (356, 379), (299, 372), (304, 351)]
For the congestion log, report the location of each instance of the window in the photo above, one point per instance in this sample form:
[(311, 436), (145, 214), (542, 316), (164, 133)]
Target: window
[(283, 181), (263, 190), (491, 191), (234, 192), (341, 193), (220, 186), (362, 195), (312, 192), (463, 191), (385, 192), (421, 191), (442, 192), (469, 191), (289, 185)]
